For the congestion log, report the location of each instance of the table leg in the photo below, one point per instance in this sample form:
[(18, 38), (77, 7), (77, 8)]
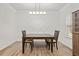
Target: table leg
[(32, 46), (52, 46), (46, 42), (22, 45)]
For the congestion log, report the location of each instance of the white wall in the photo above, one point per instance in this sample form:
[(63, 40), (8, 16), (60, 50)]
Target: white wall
[(36, 23), (7, 25), (66, 18)]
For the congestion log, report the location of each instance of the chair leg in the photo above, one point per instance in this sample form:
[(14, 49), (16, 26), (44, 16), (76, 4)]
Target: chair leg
[(26, 44), (56, 45), (49, 46), (46, 43), (31, 46), (52, 47)]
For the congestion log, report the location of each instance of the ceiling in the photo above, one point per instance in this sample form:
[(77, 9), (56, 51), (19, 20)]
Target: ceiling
[(38, 6)]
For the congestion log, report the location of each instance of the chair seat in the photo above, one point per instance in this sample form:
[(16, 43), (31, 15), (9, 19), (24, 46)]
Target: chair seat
[(49, 40), (28, 41)]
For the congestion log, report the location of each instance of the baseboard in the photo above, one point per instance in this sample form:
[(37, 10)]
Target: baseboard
[(7, 45), (65, 45)]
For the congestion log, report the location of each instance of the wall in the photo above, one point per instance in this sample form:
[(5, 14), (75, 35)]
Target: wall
[(13, 22), (66, 19), (36, 23), (7, 25)]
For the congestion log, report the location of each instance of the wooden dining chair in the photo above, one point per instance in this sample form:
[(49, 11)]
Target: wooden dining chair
[(24, 40), (55, 40)]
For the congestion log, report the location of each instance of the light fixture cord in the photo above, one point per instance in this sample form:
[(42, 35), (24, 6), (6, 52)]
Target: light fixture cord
[(35, 5), (39, 6)]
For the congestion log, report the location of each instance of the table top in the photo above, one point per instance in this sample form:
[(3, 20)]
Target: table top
[(39, 35)]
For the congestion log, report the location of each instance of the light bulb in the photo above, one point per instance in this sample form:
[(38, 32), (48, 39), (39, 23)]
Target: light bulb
[(44, 12), (41, 12), (34, 12), (37, 12), (30, 12)]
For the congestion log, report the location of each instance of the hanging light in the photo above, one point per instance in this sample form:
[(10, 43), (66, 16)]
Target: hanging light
[(36, 11)]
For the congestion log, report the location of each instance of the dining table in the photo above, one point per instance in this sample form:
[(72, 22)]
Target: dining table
[(38, 37)]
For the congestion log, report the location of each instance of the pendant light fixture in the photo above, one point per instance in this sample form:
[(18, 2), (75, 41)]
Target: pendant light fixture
[(37, 11)]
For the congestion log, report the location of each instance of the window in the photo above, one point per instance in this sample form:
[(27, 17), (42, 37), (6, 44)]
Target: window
[(69, 31), (69, 25)]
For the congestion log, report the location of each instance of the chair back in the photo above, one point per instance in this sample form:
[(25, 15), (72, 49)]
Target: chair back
[(56, 34), (23, 33)]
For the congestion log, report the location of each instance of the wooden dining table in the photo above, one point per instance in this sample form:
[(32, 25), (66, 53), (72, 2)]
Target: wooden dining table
[(38, 37)]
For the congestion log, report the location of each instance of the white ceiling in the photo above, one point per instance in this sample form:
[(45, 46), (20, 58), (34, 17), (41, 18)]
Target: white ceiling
[(41, 6)]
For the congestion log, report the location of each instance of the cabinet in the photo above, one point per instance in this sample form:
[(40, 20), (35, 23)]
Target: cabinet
[(75, 32)]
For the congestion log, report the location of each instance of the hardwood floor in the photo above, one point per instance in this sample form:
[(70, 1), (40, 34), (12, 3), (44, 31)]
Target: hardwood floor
[(38, 50)]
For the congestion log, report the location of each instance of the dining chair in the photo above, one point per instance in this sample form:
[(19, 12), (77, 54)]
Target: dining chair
[(55, 40), (30, 41)]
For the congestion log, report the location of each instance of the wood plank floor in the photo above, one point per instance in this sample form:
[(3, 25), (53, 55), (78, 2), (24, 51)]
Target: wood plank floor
[(39, 50)]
